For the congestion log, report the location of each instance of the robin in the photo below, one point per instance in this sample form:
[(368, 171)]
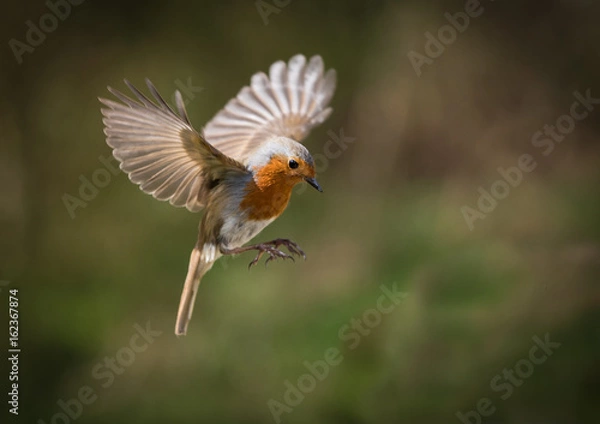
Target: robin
[(240, 169)]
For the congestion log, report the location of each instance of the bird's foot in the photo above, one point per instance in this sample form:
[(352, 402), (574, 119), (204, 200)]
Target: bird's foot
[(290, 245), (270, 250)]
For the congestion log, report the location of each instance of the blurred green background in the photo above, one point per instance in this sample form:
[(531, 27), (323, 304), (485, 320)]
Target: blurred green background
[(390, 215)]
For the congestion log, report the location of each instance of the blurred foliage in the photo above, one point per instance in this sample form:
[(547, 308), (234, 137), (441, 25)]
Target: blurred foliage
[(390, 214)]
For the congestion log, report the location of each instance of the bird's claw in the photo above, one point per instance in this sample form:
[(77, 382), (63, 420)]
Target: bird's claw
[(291, 246), (273, 253), (278, 254)]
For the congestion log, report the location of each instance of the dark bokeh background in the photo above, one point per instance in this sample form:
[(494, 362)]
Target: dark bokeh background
[(390, 215)]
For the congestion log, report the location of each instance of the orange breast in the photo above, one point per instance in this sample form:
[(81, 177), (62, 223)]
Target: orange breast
[(266, 203), (269, 193)]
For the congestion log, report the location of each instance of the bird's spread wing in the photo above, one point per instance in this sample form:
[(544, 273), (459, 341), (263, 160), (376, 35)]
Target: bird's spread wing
[(159, 149), (289, 102)]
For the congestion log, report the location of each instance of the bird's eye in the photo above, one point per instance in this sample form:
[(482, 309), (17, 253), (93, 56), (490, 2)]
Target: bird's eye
[(293, 164)]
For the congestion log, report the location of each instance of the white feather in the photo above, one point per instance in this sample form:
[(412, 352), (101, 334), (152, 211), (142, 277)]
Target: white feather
[(289, 102)]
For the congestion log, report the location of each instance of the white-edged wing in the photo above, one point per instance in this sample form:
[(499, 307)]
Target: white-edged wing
[(289, 102), (159, 149)]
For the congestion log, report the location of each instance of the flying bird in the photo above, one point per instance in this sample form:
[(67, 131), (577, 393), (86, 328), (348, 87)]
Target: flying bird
[(240, 169)]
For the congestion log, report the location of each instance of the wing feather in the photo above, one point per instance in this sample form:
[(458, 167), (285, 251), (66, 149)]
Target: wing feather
[(289, 102), (159, 149)]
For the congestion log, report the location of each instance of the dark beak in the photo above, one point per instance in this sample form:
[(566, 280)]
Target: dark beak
[(314, 183)]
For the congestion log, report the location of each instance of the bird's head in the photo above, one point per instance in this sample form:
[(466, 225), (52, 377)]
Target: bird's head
[(283, 161)]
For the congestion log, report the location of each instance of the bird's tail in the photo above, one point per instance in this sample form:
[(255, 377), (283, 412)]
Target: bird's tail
[(196, 270)]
